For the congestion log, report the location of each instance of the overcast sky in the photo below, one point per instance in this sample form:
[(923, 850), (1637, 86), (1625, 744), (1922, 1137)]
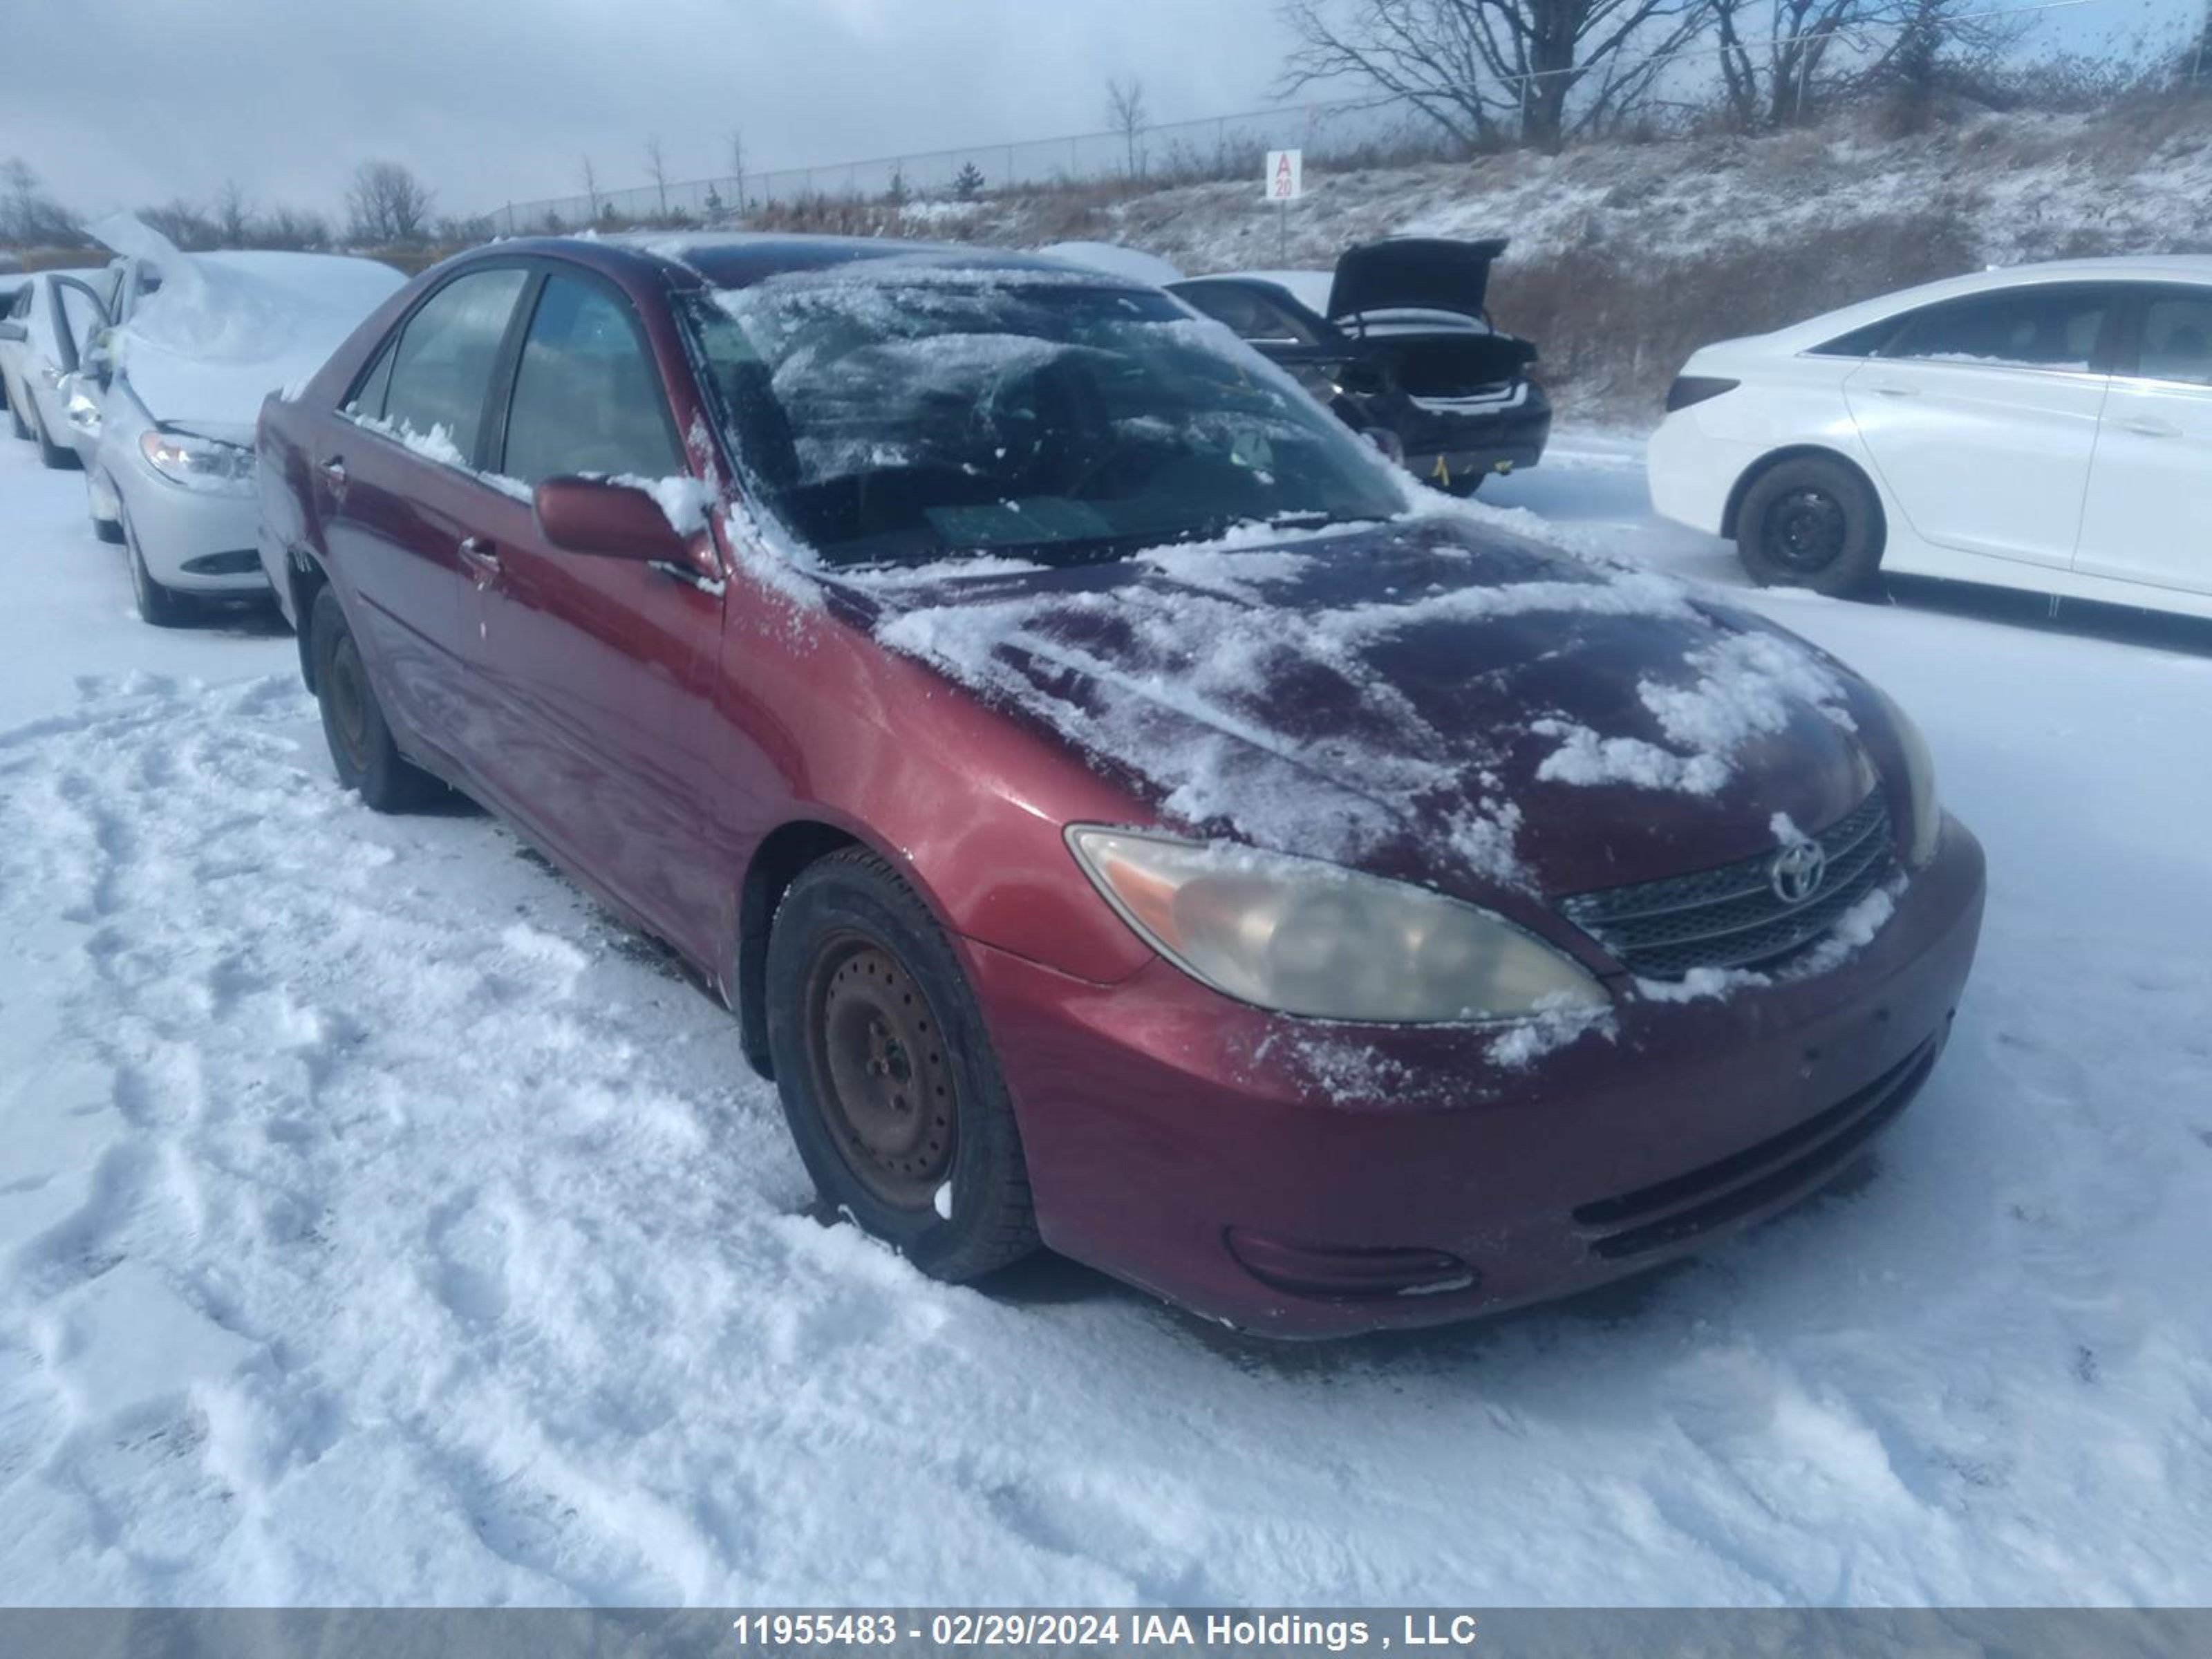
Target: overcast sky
[(135, 102), (496, 100)]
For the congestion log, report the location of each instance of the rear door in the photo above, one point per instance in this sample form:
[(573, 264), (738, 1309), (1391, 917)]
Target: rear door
[(599, 671), (396, 486), (2150, 487), (1981, 415)]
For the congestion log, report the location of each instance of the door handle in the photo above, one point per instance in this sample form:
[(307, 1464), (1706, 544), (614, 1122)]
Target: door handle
[(480, 558), (2145, 427), (334, 473), (1898, 390)]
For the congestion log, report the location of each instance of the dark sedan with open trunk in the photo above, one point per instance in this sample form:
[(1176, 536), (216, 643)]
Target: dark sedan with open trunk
[(1398, 340), (1120, 812)]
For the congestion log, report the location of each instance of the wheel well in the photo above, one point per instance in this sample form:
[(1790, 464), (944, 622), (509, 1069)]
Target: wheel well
[(1767, 464), (307, 579), (776, 863)]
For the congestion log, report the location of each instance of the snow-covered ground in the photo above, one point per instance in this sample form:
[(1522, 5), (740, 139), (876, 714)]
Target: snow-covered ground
[(378, 1223)]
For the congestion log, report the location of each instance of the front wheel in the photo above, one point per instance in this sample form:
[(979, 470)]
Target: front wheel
[(59, 457), (159, 606), (886, 1075), (1811, 522)]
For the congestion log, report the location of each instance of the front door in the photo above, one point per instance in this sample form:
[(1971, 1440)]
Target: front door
[(599, 671), (2149, 518), (1981, 416)]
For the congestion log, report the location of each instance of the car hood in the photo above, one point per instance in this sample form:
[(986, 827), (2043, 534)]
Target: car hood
[(1438, 699), (226, 330), (1414, 273)]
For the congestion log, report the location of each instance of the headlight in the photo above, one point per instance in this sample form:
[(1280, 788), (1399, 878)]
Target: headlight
[(202, 463), (81, 408), (1926, 811), (1302, 936)]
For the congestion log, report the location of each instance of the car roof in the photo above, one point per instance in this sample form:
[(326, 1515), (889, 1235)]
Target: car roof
[(739, 258), (2131, 268)]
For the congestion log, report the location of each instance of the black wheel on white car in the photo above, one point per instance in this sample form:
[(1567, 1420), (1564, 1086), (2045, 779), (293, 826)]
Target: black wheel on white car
[(361, 749), (1811, 521), (887, 1076), (15, 418), (60, 456), (160, 605), (108, 530)]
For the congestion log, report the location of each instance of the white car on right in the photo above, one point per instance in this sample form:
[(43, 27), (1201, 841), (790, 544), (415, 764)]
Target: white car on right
[(2043, 427)]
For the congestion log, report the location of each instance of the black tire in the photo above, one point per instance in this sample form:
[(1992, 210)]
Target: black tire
[(15, 419), (886, 1073), (159, 606), (362, 753), (60, 456), (1811, 522)]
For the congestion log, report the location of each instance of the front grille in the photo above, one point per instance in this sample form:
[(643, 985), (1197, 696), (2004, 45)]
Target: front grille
[(1731, 916), (1730, 1189)]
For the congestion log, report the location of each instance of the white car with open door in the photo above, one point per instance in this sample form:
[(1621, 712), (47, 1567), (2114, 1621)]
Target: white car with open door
[(2047, 427), (168, 394), (42, 329)]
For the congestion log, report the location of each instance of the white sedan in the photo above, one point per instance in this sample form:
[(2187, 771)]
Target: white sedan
[(2047, 427), (167, 402)]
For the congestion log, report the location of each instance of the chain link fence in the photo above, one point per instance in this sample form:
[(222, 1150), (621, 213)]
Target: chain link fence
[(1360, 130)]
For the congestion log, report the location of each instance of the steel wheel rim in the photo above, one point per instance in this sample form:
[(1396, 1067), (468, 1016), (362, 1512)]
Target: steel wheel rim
[(1806, 529), (882, 1076), (349, 703)]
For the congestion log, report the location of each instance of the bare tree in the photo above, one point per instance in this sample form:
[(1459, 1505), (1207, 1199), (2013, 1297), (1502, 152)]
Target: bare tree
[(738, 164), (299, 229), (1782, 60), (656, 168), (185, 224), (28, 217), (1485, 69), (388, 205), (1125, 114), (234, 216), (592, 188)]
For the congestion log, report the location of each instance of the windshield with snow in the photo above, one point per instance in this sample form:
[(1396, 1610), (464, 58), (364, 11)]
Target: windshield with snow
[(900, 421)]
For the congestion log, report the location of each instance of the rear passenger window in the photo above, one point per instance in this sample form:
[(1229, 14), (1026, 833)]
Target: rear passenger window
[(2019, 328), (442, 367), (587, 398), (2176, 339)]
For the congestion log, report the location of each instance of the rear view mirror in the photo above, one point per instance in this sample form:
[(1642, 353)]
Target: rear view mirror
[(611, 520)]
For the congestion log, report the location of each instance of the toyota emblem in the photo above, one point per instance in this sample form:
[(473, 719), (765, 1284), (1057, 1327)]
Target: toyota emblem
[(1797, 871)]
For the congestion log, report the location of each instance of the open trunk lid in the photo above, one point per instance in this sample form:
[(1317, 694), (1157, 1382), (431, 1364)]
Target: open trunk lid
[(1414, 273)]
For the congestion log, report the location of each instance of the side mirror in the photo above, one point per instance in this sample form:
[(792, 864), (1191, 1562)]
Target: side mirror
[(611, 520), (13, 333)]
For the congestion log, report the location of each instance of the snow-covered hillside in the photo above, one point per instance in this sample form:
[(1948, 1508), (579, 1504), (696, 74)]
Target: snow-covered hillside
[(379, 1223), (1626, 256)]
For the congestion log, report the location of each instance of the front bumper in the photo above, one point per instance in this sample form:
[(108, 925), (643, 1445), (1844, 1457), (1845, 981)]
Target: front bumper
[(1161, 1121), (200, 541)]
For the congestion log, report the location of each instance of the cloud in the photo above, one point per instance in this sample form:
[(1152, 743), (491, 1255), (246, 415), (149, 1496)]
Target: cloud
[(493, 100)]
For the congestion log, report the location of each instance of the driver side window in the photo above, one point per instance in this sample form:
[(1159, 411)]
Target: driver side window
[(587, 398)]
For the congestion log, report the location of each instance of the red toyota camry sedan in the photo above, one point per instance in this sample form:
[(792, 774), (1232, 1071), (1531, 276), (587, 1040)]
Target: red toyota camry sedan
[(1122, 814)]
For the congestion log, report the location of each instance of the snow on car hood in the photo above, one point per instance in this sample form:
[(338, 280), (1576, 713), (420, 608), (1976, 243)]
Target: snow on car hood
[(226, 330), (1434, 698)]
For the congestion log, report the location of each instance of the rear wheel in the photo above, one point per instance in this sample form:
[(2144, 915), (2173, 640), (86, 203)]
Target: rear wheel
[(1811, 522), (361, 749), (887, 1077), (15, 418), (60, 456)]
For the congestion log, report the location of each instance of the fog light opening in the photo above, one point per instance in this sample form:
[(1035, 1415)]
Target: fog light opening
[(1341, 1272)]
